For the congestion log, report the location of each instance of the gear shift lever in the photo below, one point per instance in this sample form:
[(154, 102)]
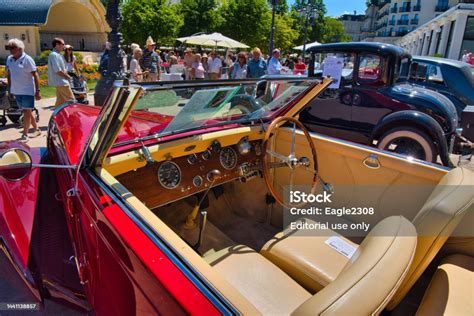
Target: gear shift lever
[(212, 176)]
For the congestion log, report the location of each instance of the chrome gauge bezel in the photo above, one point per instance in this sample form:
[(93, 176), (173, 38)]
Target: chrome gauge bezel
[(190, 157), (198, 178), (179, 172), (221, 158), (209, 154)]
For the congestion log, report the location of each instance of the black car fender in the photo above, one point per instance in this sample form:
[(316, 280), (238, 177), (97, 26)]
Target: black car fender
[(418, 120)]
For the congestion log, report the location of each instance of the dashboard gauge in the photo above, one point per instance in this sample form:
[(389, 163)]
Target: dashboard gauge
[(169, 175), (258, 149), (192, 159), (206, 154), (216, 146), (197, 181), (228, 158), (244, 146)]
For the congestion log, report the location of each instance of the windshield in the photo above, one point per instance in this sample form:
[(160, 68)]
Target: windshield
[(185, 107)]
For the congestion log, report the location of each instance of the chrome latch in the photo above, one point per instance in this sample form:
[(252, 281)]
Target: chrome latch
[(372, 162)]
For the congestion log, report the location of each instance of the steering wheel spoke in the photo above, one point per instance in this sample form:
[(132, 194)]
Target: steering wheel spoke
[(278, 156), (274, 160)]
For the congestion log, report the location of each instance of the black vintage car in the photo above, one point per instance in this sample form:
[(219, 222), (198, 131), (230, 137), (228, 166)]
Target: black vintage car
[(369, 105), (454, 79)]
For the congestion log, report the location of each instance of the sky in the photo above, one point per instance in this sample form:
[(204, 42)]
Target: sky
[(336, 8)]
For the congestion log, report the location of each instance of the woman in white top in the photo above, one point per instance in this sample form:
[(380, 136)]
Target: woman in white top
[(197, 71), (239, 68), (70, 61), (135, 69)]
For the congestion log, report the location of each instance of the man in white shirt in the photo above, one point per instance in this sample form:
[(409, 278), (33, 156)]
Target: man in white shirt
[(465, 56), (23, 82), (274, 65), (215, 66), (57, 73)]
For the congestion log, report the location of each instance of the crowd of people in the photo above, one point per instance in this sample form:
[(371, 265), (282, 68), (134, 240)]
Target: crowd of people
[(468, 57), (149, 64)]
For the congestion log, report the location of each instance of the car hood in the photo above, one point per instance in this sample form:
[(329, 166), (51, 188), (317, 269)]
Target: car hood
[(410, 93)]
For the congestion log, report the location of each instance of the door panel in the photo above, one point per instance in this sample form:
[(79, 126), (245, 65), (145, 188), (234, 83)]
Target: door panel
[(397, 187)]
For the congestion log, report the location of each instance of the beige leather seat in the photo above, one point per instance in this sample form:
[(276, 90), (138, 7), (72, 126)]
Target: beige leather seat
[(303, 259), (447, 205), (268, 288), (451, 291), (362, 288)]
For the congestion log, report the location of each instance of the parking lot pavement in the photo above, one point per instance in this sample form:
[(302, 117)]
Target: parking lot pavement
[(12, 131)]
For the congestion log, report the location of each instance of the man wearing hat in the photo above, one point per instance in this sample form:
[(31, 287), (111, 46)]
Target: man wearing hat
[(274, 65), (150, 61), (188, 62)]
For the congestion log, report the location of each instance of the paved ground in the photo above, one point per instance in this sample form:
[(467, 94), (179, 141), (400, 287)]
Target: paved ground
[(45, 107)]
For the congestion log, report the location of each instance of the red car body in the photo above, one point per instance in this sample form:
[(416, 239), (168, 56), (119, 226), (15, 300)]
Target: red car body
[(121, 268)]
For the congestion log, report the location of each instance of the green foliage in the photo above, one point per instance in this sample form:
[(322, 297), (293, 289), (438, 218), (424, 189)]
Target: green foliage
[(42, 59), (247, 21), (285, 35), (199, 16), (333, 31), (143, 18), (79, 58)]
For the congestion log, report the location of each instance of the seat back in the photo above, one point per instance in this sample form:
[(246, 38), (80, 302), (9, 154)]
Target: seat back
[(449, 202), (374, 273)]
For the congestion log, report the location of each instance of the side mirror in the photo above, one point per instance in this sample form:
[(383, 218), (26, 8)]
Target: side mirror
[(15, 164)]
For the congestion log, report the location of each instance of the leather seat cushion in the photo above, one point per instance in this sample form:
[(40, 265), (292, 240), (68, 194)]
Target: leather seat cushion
[(268, 288), (451, 291), (307, 259)]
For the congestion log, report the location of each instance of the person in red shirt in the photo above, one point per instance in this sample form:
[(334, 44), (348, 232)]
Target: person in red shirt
[(300, 67), (471, 59)]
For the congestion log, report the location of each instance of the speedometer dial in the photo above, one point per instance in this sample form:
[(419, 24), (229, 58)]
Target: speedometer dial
[(169, 175), (228, 158)]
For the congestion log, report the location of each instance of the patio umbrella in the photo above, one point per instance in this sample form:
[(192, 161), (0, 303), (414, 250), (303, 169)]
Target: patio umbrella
[(308, 45), (214, 39)]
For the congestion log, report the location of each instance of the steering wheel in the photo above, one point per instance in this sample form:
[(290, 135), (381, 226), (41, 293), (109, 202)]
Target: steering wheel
[(273, 159)]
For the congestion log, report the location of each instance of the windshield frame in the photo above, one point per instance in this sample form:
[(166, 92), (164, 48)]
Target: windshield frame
[(245, 119)]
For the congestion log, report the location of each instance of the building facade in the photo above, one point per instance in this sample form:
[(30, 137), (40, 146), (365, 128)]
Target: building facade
[(81, 23), (396, 18), (447, 35), (353, 24)]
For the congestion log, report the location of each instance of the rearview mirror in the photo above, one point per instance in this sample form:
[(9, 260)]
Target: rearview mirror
[(15, 164)]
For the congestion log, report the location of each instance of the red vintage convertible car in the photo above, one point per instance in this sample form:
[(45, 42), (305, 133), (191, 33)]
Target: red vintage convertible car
[(212, 198)]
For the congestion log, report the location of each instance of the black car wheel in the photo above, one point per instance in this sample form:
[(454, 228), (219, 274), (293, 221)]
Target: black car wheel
[(410, 142)]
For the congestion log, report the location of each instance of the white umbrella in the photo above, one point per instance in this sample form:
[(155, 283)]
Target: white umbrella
[(214, 39), (308, 45)]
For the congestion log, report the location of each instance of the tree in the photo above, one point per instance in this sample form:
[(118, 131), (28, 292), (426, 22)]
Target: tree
[(334, 31), (315, 21), (247, 21), (143, 18), (199, 16), (285, 35)]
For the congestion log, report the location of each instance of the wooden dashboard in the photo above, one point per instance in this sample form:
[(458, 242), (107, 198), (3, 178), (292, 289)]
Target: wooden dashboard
[(171, 180)]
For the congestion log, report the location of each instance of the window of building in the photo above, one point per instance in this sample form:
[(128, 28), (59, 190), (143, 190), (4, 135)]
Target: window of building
[(468, 38), (450, 38)]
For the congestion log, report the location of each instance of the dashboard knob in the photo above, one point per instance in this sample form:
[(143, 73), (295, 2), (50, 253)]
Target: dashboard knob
[(213, 175)]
